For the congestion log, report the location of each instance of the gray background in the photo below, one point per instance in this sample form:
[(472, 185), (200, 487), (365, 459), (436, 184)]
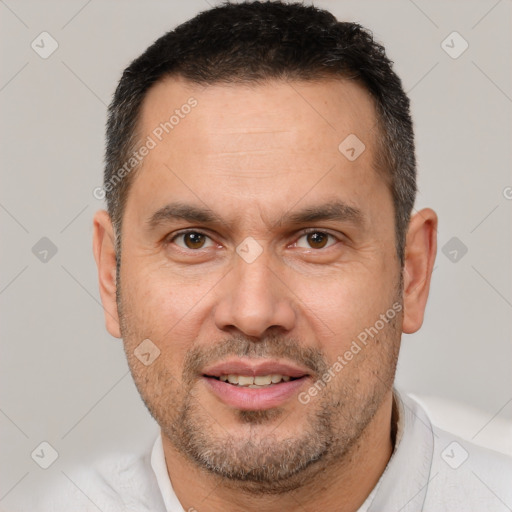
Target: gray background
[(65, 380)]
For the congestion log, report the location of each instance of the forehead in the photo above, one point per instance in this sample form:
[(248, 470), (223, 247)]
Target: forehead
[(264, 143), (317, 112)]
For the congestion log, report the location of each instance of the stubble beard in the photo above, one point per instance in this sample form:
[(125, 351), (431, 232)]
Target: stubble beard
[(267, 463)]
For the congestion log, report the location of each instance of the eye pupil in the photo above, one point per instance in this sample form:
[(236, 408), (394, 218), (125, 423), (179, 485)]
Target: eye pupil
[(194, 240), (317, 240)]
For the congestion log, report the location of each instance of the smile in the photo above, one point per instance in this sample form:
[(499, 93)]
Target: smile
[(255, 382)]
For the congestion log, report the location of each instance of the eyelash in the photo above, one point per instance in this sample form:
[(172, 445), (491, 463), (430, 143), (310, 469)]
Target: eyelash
[(303, 233)]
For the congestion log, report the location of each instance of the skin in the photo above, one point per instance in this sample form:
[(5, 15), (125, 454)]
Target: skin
[(253, 155)]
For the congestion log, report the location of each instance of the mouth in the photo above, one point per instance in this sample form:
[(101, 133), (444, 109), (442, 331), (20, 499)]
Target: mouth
[(254, 384)]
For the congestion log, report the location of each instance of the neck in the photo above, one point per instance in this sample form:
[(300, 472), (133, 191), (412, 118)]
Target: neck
[(341, 485)]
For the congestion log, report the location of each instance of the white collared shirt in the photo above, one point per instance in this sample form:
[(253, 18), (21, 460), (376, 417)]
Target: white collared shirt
[(430, 470)]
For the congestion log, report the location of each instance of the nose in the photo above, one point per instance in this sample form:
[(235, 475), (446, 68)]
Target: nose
[(253, 300)]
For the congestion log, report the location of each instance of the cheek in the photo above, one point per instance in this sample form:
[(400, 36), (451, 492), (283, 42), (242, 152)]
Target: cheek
[(160, 304), (344, 304)]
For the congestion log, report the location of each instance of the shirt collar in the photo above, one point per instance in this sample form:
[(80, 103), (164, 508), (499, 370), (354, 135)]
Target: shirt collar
[(403, 485), (159, 466)]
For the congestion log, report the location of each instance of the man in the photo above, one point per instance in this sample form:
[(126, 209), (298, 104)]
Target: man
[(260, 262)]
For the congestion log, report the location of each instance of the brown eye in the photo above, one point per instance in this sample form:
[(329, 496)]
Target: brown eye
[(192, 240), (315, 240)]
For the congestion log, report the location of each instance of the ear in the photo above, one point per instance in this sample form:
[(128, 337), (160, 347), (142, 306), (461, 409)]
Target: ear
[(105, 256), (420, 254)]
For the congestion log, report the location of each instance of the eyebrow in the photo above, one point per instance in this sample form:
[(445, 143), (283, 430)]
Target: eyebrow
[(330, 211), (186, 212), (334, 210)]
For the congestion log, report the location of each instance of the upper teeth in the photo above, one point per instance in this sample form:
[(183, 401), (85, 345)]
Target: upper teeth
[(260, 380)]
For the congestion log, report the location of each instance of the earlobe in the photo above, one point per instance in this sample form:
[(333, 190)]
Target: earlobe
[(420, 254), (105, 256)]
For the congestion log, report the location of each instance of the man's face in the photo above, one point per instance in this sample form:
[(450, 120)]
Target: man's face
[(260, 283)]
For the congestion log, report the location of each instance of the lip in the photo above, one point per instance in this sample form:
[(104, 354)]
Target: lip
[(254, 368), (246, 398)]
